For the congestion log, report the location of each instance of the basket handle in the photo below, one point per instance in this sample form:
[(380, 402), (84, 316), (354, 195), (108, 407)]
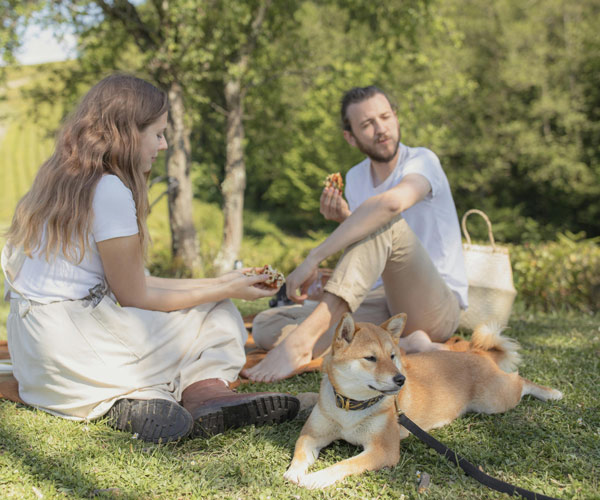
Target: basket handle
[(487, 220)]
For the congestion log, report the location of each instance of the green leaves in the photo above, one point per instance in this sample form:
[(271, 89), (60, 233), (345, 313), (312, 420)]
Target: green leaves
[(558, 275), (13, 18)]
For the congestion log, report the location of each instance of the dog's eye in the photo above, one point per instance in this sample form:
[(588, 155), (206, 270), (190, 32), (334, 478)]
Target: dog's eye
[(371, 358), (393, 356)]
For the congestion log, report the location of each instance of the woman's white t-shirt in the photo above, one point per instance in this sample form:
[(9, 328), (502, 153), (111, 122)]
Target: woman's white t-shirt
[(433, 220), (114, 216)]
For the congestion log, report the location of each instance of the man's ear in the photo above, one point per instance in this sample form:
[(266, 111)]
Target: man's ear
[(350, 139), (344, 333), (395, 325)]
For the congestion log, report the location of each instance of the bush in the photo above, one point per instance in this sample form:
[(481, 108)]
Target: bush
[(558, 275), (265, 243)]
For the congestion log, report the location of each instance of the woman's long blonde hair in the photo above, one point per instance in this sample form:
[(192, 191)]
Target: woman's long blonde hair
[(101, 137)]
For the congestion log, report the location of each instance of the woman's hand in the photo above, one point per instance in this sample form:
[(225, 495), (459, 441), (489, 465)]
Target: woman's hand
[(240, 286), (333, 206), (232, 275)]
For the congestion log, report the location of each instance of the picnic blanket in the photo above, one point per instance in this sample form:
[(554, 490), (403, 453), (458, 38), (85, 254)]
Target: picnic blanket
[(9, 388)]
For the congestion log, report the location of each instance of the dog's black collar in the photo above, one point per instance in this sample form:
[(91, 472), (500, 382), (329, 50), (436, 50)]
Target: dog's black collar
[(352, 404)]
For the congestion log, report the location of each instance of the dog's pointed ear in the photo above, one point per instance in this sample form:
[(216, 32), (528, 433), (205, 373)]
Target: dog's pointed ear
[(395, 325), (344, 333)]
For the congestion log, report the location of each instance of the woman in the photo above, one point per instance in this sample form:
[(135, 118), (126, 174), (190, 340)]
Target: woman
[(159, 363)]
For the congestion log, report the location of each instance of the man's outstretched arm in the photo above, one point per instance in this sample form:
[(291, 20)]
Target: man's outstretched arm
[(367, 218)]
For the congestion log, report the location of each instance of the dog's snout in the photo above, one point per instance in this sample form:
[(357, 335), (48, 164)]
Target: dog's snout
[(399, 380)]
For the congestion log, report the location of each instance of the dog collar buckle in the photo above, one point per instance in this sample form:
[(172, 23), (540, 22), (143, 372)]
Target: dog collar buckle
[(348, 404), (399, 411)]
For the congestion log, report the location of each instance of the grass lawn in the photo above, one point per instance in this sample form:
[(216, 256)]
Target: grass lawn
[(551, 448)]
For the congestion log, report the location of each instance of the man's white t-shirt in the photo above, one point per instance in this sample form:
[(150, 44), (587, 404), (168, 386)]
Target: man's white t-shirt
[(433, 220), (114, 215)]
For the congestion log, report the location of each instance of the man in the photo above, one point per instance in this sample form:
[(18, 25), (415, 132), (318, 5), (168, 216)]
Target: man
[(399, 223)]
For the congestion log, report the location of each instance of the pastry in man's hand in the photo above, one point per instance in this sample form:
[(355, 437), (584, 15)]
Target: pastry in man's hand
[(335, 180)]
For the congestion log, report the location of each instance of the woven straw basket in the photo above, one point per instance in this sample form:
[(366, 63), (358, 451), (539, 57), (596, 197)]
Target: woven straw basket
[(491, 288)]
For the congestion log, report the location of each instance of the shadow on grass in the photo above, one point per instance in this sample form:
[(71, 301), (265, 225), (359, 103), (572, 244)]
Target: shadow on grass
[(55, 470), (247, 457), (519, 447), (39, 457)]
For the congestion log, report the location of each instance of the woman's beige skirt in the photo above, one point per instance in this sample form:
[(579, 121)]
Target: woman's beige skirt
[(75, 359)]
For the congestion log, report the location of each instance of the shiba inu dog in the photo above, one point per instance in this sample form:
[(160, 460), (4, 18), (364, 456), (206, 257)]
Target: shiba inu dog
[(366, 375)]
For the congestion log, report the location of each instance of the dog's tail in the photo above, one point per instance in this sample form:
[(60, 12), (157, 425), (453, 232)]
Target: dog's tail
[(503, 350)]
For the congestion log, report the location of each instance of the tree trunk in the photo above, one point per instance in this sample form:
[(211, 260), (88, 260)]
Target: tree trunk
[(184, 243), (234, 184)]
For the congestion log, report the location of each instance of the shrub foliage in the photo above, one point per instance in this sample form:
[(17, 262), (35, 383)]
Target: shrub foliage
[(558, 275)]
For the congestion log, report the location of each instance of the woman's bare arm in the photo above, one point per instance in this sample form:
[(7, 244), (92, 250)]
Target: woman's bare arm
[(124, 270)]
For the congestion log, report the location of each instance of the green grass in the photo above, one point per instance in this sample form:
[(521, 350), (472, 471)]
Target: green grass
[(552, 448)]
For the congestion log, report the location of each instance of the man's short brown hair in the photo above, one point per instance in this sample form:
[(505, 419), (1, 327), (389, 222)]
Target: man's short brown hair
[(360, 94)]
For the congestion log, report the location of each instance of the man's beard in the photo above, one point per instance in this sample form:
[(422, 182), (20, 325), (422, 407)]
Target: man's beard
[(372, 153)]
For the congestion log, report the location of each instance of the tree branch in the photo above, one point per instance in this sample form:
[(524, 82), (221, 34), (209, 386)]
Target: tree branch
[(255, 28), (158, 7), (127, 14)]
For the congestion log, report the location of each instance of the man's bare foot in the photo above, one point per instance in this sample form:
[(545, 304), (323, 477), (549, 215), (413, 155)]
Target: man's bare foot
[(419, 341), (281, 361), (295, 350)]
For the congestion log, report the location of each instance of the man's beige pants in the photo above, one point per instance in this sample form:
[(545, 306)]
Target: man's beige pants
[(411, 284)]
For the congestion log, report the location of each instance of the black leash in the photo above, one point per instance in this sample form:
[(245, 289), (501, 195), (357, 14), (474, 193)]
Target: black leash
[(468, 467)]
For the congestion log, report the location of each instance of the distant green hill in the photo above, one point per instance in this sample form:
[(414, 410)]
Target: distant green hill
[(26, 136)]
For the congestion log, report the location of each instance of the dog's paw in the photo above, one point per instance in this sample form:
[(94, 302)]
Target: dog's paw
[(555, 394), (317, 480), (294, 474)]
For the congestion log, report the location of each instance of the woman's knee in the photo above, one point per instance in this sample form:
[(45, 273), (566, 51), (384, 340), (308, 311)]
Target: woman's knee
[(226, 317)]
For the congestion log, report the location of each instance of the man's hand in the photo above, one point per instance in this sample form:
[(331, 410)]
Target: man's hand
[(300, 279), (333, 206)]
